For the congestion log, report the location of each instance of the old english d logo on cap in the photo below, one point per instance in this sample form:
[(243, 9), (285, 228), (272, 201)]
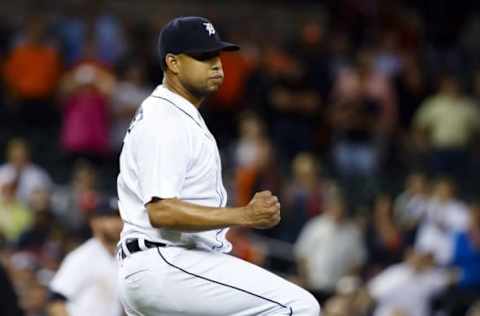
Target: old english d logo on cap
[(209, 27), (191, 35)]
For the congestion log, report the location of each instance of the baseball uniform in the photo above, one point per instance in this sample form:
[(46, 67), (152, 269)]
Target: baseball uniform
[(87, 280), (169, 152)]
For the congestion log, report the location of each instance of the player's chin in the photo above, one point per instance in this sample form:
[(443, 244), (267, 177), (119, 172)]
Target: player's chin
[(213, 87), (215, 82)]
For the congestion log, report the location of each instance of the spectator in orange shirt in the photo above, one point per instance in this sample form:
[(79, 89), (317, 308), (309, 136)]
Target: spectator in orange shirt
[(31, 74)]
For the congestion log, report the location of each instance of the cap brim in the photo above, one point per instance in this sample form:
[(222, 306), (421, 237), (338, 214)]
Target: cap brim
[(229, 47), (220, 46)]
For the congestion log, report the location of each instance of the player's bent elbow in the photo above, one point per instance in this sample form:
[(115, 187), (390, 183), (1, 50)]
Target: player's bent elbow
[(160, 215)]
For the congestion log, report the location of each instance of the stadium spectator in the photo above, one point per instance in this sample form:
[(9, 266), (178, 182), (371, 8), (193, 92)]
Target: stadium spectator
[(329, 247), (383, 238), (445, 216), (73, 202), (360, 97), (445, 125), (411, 90), (287, 101), (408, 287), (388, 60), (23, 268), (86, 91), (254, 161), (30, 176), (339, 50), (311, 47), (466, 251), (44, 223), (466, 259), (303, 198), (15, 217), (31, 72), (411, 205), (127, 97), (81, 19)]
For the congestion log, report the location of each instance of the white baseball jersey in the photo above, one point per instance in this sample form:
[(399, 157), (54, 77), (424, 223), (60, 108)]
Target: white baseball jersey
[(168, 152), (87, 278)]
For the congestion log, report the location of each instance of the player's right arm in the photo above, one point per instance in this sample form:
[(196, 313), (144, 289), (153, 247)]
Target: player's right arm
[(161, 154), (262, 212)]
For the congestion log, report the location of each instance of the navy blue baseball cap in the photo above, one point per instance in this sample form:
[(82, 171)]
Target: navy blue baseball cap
[(106, 206), (191, 35)]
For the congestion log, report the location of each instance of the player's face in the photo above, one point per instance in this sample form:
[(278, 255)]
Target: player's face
[(201, 74), (108, 227), (112, 227)]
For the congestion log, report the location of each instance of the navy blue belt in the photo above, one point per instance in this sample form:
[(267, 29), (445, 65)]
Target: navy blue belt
[(133, 246)]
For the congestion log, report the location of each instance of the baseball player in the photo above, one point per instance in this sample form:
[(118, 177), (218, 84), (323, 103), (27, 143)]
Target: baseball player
[(85, 284), (172, 201)]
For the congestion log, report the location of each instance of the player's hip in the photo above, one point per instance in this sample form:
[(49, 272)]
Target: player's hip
[(177, 281)]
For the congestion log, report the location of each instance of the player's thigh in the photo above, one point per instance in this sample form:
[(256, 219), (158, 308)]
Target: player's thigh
[(205, 283), (139, 281)]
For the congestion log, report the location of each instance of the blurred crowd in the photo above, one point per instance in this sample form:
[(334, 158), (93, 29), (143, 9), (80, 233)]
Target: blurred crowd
[(362, 116)]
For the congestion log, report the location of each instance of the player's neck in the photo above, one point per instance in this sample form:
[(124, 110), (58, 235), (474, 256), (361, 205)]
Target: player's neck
[(109, 246), (176, 87)]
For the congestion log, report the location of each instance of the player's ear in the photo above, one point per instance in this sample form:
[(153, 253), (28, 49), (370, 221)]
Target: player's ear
[(172, 63)]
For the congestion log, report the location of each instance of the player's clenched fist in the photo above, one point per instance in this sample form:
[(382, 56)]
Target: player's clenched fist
[(263, 211)]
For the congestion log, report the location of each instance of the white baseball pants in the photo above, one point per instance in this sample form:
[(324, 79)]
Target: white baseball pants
[(175, 281)]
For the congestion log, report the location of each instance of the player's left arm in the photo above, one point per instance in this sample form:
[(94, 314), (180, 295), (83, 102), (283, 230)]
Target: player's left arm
[(57, 309), (57, 305)]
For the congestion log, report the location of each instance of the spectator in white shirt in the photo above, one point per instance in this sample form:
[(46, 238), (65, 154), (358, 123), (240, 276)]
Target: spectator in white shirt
[(445, 216), (407, 288), (30, 176), (330, 247)]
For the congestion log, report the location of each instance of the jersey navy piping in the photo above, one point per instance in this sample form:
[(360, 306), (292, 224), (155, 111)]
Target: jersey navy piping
[(220, 195), (221, 203), (223, 284), (165, 99)]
